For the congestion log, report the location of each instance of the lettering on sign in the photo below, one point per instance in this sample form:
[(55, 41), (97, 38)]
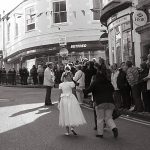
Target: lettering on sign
[(140, 18), (79, 46)]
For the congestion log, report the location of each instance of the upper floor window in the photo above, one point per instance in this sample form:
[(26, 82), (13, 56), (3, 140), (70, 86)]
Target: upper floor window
[(96, 9), (59, 12), (30, 18), (16, 29), (8, 32)]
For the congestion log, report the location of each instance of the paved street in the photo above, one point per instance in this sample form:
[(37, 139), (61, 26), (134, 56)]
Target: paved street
[(25, 124)]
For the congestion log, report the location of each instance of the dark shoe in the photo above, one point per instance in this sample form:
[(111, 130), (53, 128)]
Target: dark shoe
[(72, 130), (49, 104), (99, 136), (115, 132), (95, 128)]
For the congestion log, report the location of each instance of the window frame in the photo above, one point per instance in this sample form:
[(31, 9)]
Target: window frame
[(8, 32), (59, 12), (95, 14), (32, 19)]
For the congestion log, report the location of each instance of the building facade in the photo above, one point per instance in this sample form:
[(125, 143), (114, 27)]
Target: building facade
[(144, 30), (35, 32), (124, 41)]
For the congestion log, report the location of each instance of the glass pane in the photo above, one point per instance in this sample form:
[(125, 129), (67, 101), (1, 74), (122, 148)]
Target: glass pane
[(96, 15), (62, 6), (56, 7), (63, 16), (31, 27), (96, 4), (56, 18)]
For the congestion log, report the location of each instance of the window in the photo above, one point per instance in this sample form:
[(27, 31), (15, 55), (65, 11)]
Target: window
[(96, 9), (59, 12), (16, 29), (8, 32), (30, 18)]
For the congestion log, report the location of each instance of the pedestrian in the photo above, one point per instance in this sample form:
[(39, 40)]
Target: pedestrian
[(49, 79), (34, 74), (40, 72), (70, 113), (133, 80), (79, 78), (117, 95), (124, 87), (102, 91)]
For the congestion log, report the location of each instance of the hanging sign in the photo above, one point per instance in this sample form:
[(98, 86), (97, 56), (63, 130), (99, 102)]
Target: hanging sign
[(139, 18)]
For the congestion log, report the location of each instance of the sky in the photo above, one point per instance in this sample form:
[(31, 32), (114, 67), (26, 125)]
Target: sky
[(8, 5)]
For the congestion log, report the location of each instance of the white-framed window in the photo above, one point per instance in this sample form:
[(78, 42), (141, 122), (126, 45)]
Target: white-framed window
[(16, 29), (97, 5), (59, 12), (8, 32), (30, 18)]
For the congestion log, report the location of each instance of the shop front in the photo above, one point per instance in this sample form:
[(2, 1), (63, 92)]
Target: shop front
[(120, 39)]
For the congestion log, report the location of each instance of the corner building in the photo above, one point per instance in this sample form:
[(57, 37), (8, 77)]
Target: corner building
[(35, 31), (124, 41)]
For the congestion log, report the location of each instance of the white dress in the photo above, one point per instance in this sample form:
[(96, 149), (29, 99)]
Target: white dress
[(70, 112)]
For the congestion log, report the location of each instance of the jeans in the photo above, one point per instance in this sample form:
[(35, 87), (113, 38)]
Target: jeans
[(104, 115), (48, 95)]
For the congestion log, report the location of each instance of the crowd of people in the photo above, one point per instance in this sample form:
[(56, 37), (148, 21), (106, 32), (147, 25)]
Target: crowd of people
[(112, 87)]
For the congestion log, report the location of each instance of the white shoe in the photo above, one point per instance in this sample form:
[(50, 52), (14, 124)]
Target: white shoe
[(67, 134)]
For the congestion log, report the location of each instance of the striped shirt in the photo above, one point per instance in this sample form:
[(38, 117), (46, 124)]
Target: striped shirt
[(132, 76)]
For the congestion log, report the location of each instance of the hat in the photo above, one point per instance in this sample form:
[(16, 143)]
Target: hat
[(49, 63)]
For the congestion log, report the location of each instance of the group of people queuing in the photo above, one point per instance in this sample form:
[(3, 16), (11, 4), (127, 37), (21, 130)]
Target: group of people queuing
[(8, 77)]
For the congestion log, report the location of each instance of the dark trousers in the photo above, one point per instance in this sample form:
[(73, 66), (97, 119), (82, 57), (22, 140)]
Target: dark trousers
[(95, 117), (126, 98), (136, 93), (48, 95), (146, 100)]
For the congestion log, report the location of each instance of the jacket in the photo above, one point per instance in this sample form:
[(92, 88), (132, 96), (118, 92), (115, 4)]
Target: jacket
[(49, 77), (102, 90)]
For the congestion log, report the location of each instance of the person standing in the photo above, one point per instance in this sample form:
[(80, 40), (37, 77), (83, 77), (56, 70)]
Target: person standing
[(70, 113), (79, 78), (40, 72), (133, 80), (49, 79)]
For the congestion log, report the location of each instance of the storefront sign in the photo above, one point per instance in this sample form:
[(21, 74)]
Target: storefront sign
[(140, 18), (118, 21), (79, 46)]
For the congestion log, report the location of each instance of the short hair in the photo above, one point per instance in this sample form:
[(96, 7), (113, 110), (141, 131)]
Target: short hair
[(129, 63)]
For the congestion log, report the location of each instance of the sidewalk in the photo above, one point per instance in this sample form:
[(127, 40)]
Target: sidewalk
[(87, 103)]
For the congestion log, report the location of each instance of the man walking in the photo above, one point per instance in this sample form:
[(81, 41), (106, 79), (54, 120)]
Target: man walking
[(48, 82)]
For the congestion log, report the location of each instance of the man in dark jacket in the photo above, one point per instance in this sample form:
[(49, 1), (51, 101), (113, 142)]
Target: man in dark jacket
[(124, 87)]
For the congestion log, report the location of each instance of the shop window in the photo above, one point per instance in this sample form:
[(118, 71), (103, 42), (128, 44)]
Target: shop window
[(8, 32), (96, 9), (59, 12), (30, 18)]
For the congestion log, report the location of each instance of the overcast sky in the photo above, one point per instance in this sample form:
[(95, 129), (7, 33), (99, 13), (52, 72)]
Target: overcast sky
[(8, 5)]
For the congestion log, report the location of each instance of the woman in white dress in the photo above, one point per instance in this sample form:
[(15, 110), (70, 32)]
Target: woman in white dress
[(70, 113)]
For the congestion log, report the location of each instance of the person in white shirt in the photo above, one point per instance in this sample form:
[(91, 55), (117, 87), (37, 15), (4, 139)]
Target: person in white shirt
[(49, 79), (79, 77)]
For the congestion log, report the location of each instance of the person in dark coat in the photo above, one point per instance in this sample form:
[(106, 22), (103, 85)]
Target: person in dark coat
[(102, 91), (34, 74), (124, 87), (143, 85)]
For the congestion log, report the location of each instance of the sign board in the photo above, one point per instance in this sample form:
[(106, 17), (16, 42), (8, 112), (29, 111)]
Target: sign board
[(139, 18), (62, 40), (63, 52)]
